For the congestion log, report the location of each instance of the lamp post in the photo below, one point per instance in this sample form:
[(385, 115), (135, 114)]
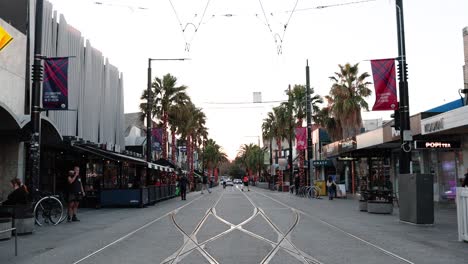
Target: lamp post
[(148, 106), (405, 150), (291, 127), (37, 71), (148, 112), (309, 125)]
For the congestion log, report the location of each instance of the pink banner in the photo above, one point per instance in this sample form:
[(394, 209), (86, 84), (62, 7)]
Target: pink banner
[(301, 138), (383, 72)]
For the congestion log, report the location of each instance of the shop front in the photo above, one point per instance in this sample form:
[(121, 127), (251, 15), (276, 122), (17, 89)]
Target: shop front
[(113, 179), (446, 151)]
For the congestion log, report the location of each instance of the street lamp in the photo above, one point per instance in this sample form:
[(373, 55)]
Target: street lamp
[(405, 152), (148, 106), (309, 124)]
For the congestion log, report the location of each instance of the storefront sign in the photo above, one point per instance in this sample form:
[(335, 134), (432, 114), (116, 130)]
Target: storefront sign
[(332, 149), (422, 144), (434, 126), (348, 144), (322, 163)]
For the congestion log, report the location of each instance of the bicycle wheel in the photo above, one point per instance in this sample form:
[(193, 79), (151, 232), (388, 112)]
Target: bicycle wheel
[(48, 210)]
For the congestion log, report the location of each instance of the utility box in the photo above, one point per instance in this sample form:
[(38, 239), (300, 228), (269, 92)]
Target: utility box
[(416, 196)]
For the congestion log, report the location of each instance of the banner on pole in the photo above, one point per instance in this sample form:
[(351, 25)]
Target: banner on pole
[(156, 139), (5, 38), (55, 90), (301, 138), (383, 72)]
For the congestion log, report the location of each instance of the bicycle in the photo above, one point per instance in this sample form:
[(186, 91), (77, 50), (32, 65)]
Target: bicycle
[(48, 210)]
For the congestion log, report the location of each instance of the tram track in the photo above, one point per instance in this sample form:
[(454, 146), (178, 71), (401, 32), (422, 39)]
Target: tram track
[(336, 228)]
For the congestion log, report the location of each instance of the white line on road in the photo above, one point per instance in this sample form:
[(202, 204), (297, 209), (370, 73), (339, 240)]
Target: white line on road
[(136, 230)]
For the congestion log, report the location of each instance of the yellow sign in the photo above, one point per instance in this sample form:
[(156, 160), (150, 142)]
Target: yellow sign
[(5, 38)]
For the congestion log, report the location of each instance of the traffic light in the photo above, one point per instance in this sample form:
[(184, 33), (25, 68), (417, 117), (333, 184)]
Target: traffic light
[(396, 119)]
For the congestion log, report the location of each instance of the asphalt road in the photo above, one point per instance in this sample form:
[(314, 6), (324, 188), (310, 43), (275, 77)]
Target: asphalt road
[(231, 226)]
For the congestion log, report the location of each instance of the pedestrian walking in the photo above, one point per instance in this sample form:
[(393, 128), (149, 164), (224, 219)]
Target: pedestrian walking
[(331, 186), (296, 183), (465, 181), (183, 182), (75, 193), (205, 184), (246, 183)]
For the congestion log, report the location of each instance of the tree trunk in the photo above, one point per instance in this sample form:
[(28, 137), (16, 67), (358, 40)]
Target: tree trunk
[(173, 156), (191, 155), (164, 136), (301, 167), (280, 172), (188, 160)]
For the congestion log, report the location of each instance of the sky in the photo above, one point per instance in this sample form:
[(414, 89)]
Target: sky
[(233, 54)]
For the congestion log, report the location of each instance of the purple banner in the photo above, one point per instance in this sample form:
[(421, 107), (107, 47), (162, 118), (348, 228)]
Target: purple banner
[(55, 91), (156, 139)]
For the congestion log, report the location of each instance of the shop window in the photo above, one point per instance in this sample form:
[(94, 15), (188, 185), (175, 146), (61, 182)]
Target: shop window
[(110, 175), (94, 174), (128, 175)]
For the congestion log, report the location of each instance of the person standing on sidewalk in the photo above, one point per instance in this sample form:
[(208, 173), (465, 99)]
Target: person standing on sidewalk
[(205, 184), (246, 182), (75, 193), (465, 181), (331, 186), (296, 183), (183, 181)]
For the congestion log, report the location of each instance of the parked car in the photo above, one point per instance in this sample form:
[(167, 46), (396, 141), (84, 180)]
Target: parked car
[(229, 182), (237, 181)]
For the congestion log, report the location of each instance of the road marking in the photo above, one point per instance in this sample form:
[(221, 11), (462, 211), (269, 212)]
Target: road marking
[(136, 230), (191, 240), (391, 254)]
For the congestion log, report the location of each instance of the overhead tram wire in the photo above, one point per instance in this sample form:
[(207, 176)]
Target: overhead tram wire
[(234, 103), (279, 46), (277, 36), (184, 27)]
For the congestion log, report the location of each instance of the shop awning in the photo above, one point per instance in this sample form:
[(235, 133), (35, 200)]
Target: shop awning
[(159, 167), (108, 154)]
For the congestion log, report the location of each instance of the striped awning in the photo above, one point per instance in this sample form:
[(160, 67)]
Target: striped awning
[(159, 167)]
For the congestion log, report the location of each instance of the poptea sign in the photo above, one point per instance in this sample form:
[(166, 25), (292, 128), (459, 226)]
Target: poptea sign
[(424, 144)]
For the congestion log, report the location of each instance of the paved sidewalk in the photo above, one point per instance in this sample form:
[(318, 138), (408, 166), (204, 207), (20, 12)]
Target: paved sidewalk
[(109, 223)]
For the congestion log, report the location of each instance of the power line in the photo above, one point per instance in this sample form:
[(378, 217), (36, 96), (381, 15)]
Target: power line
[(233, 103)]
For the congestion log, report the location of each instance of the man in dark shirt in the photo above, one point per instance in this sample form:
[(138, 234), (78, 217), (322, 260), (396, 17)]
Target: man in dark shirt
[(75, 193), (183, 181), (465, 181)]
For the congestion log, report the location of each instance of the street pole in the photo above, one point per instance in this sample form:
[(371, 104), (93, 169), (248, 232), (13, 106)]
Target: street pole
[(148, 116), (405, 150), (309, 126), (290, 162), (37, 70), (149, 103)]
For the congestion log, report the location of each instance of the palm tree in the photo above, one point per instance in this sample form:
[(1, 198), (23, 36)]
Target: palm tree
[(268, 133), (251, 157), (348, 92), (213, 155), (281, 128), (192, 120), (325, 119), (166, 94), (298, 98)]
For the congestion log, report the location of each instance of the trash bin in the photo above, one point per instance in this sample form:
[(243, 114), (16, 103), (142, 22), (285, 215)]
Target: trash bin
[(416, 198)]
